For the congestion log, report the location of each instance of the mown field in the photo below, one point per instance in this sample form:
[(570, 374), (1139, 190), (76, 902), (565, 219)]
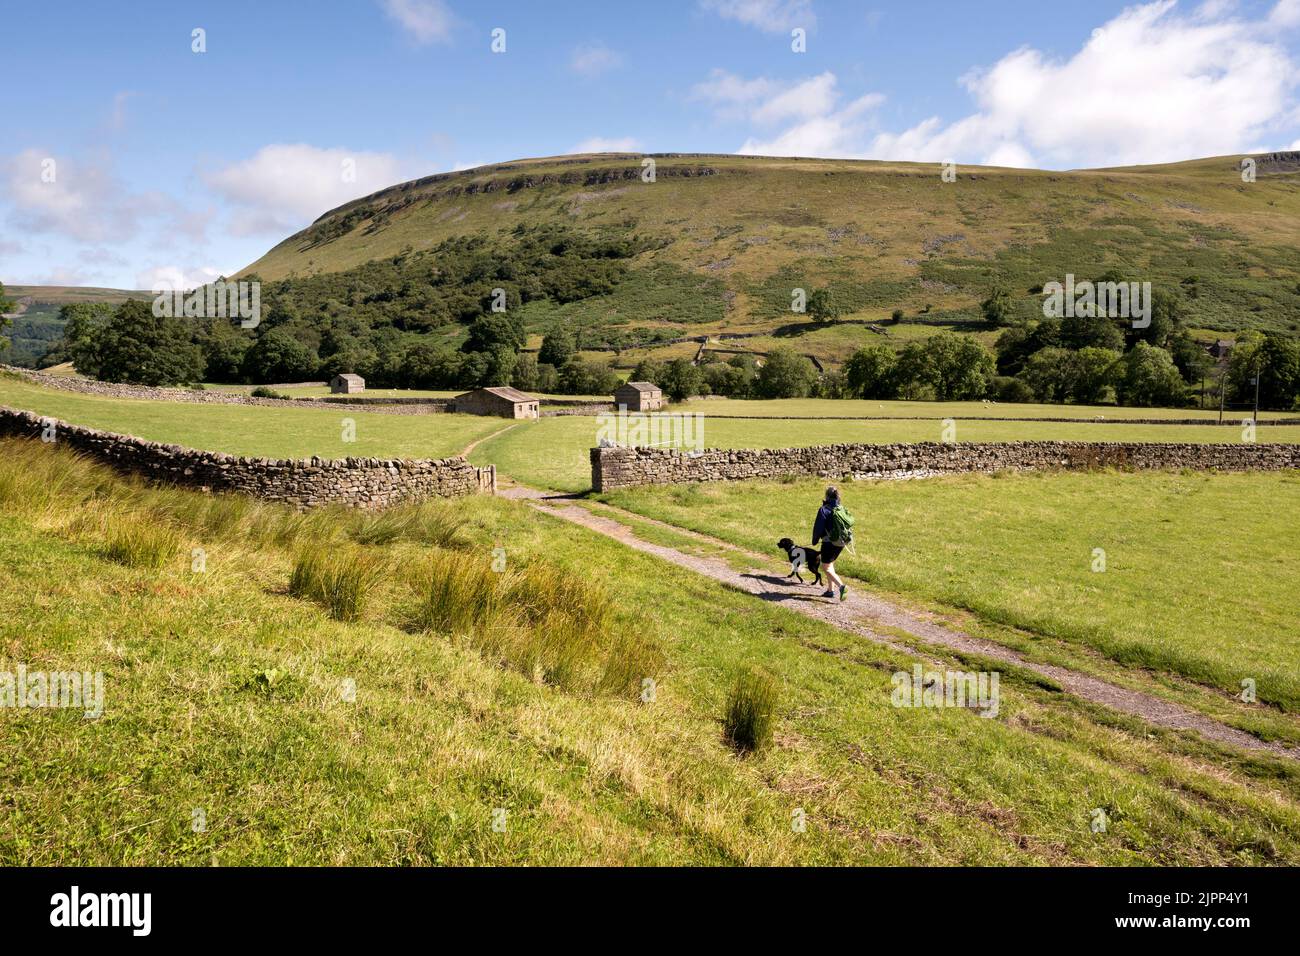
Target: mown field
[(552, 452), (1201, 571), (270, 431), (299, 738)]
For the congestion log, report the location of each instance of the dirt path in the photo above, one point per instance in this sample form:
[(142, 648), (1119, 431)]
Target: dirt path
[(864, 613), (474, 444)]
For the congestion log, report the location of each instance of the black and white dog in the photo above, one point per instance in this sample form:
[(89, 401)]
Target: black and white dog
[(800, 558)]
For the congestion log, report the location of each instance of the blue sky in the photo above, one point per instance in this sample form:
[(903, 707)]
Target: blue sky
[(128, 159)]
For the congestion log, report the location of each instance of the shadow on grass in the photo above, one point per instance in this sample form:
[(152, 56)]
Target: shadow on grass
[(785, 592)]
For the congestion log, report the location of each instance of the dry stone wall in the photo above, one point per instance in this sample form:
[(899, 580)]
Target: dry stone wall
[(620, 467), (388, 405), (90, 386), (305, 483)]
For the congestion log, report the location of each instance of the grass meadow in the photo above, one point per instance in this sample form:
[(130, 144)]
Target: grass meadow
[(1201, 571), (246, 725), (258, 430), (553, 452)]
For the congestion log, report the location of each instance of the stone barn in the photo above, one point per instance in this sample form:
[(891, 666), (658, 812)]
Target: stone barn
[(347, 384), (639, 397), (502, 401)]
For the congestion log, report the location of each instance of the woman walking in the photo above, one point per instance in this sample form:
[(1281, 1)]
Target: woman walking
[(833, 527)]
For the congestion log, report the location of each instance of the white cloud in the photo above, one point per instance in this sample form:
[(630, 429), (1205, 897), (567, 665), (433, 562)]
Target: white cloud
[(811, 98), (765, 101), (1149, 86), (63, 276), (1214, 9), (821, 125), (78, 198), (170, 278), (283, 187), (732, 96), (427, 21), (770, 16), (117, 118), (1286, 14), (100, 256), (594, 59), (602, 144)]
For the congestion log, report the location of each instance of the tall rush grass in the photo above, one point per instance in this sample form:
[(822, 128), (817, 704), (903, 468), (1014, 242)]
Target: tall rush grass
[(539, 619), (751, 711), (338, 578)]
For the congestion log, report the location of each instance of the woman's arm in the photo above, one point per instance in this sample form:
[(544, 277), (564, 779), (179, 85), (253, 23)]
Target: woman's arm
[(819, 525)]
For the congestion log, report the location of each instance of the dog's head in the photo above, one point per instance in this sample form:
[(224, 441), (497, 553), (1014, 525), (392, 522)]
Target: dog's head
[(785, 544)]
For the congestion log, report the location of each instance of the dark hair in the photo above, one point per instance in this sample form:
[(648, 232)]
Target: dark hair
[(832, 493)]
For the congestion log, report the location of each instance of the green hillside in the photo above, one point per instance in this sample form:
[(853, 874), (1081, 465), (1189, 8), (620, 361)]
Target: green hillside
[(719, 242)]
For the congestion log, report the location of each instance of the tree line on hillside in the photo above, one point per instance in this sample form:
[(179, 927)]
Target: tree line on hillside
[(128, 343), (951, 367), (394, 321), (1091, 359), (305, 335)]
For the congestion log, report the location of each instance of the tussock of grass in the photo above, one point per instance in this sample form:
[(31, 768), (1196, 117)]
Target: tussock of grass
[(338, 579), (432, 523), (36, 477), (539, 619), (751, 711), (138, 541)]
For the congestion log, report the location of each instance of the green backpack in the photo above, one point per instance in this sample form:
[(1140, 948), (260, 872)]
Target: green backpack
[(841, 527)]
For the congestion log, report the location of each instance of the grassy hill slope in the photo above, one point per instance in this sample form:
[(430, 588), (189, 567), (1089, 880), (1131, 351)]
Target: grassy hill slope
[(733, 235), (245, 725)]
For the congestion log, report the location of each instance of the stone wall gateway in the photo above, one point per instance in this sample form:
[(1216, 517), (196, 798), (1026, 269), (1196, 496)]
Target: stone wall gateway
[(367, 483), (619, 467)]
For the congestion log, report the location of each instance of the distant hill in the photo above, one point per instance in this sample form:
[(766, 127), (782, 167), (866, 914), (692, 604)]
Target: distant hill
[(36, 324), (733, 235), (63, 294)]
